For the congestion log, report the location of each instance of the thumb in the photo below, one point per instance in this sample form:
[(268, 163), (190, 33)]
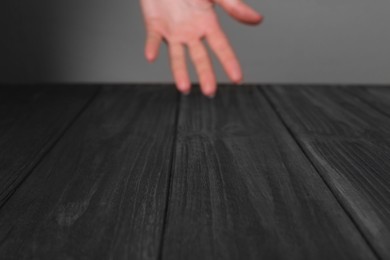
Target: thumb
[(240, 11)]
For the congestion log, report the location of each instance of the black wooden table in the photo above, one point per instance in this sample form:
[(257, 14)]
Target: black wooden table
[(142, 172)]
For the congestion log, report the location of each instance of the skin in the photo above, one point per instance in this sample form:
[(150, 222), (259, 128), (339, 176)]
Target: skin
[(183, 24)]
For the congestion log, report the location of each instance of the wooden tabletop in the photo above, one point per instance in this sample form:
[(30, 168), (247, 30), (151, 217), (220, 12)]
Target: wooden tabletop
[(139, 171)]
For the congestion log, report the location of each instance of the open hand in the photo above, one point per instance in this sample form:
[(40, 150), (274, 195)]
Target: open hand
[(184, 23)]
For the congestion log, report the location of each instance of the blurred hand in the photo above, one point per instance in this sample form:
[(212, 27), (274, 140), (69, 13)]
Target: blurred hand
[(184, 23)]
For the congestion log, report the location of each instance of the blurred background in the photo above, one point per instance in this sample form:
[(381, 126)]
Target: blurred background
[(300, 41)]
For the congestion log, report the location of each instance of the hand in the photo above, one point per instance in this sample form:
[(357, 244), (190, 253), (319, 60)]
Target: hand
[(181, 23)]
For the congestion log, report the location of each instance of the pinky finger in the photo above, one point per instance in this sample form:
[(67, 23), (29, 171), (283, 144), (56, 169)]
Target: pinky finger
[(219, 43)]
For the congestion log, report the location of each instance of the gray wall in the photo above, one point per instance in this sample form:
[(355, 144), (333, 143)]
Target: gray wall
[(300, 41)]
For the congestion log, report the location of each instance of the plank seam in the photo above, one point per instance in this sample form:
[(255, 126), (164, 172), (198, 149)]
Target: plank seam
[(170, 177), (51, 146), (296, 140)]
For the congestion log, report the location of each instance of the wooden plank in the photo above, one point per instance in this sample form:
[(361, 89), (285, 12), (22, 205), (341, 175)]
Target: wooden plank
[(376, 97), (101, 192), (349, 143), (242, 188), (33, 117)]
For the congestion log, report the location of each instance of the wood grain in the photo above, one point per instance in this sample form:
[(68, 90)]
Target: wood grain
[(376, 97), (242, 188), (101, 192), (349, 143), (32, 119)]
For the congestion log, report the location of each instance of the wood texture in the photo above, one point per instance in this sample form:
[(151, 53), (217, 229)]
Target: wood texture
[(32, 119), (348, 140), (101, 192), (241, 188), (376, 97)]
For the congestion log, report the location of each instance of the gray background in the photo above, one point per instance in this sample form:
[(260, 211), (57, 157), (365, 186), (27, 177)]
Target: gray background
[(300, 41)]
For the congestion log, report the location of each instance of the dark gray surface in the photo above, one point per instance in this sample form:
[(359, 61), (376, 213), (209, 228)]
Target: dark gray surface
[(280, 172), (376, 98), (349, 143), (101, 192), (242, 188), (32, 119)]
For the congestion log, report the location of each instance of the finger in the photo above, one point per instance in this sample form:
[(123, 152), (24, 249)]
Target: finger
[(204, 69), (240, 11), (153, 42), (179, 67), (219, 43)]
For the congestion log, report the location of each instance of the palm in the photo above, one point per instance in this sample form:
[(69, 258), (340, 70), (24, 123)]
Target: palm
[(185, 23)]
